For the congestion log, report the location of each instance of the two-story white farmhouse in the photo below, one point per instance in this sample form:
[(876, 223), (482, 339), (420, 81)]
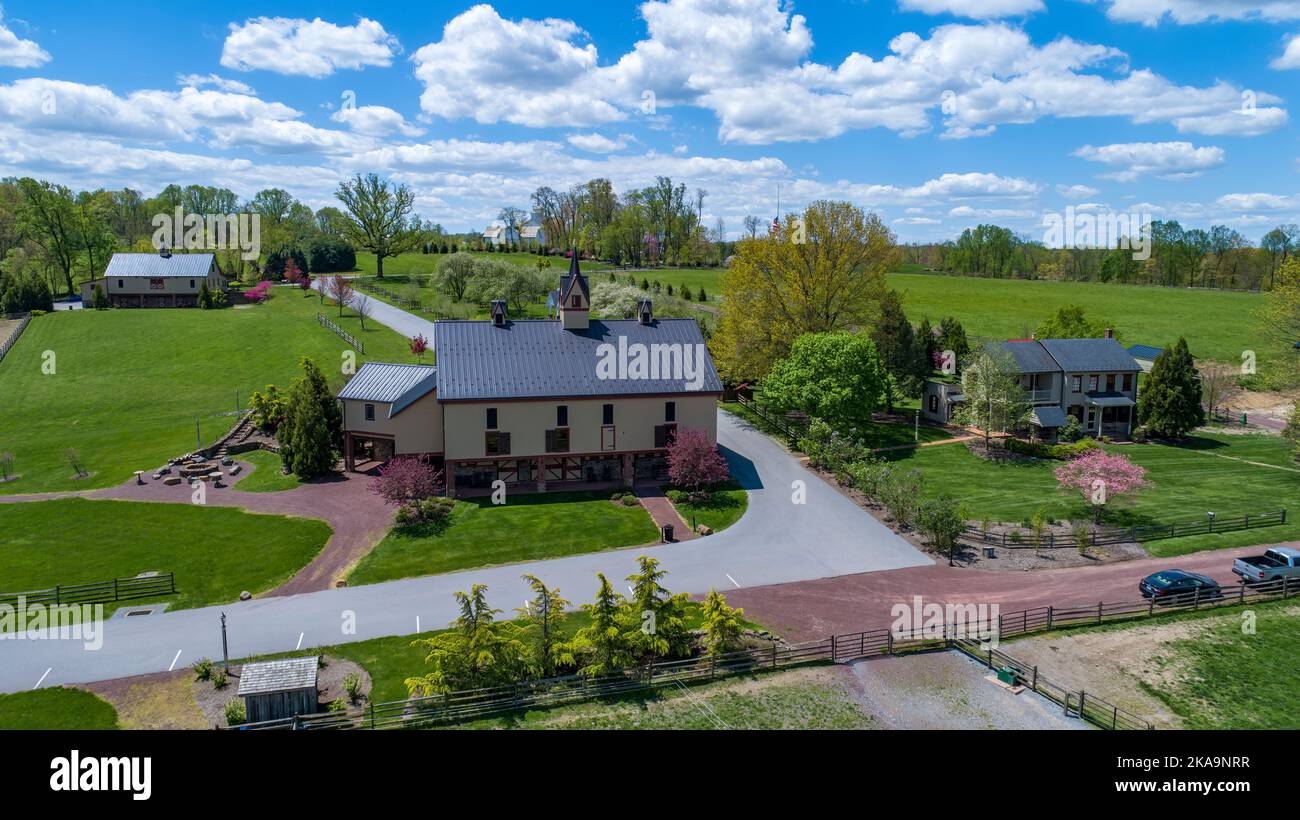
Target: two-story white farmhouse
[(1094, 380)]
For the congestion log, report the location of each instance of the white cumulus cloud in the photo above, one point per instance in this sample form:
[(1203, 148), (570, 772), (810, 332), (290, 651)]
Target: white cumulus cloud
[(16, 52), (1167, 160), (309, 48), (974, 9)]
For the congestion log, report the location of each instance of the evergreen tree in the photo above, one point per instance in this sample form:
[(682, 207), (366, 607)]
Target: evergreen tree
[(952, 336), (723, 629), (205, 296), (312, 431), (655, 618), (601, 645), (928, 345), (547, 651), (475, 653), (1170, 402), (100, 300), (897, 347)]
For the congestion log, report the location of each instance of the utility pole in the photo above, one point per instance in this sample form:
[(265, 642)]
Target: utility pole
[(916, 428), (198, 436)]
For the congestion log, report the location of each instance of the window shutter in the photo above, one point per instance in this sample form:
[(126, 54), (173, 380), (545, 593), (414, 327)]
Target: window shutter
[(661, 435), (504, 444)]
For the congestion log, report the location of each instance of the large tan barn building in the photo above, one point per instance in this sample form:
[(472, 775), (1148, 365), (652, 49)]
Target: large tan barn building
[(539, 403), (155, 280)]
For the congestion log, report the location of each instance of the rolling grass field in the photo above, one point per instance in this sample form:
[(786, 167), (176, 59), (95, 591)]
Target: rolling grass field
[(1210, 472), (1218, 325), (531, 527), (128, 385), (215, 552)]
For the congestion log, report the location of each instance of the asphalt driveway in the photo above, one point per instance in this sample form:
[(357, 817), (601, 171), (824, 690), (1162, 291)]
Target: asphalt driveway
[(777, 541)]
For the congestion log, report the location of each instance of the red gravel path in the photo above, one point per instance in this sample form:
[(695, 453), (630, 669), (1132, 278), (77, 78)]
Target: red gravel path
[(811, 610)]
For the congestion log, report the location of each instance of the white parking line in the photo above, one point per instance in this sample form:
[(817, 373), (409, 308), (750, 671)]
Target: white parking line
[(178, 657), (300, 637), (43, 677), (732, 580)]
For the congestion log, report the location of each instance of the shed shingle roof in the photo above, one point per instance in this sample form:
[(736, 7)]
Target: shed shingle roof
[(399, 385), (153, 266), (278, 676), (541, 359)]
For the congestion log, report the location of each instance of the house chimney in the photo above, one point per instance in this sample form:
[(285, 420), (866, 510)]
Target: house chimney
[(645, 311), (499, 312), (1110, 333)]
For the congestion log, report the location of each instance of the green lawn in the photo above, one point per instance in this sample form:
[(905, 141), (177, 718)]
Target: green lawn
[(1230, 680), (266, 476), (530, 527), (1188, 481), (1218, 324), (720, 510), (129, 385), (215, 552), (55, 708)]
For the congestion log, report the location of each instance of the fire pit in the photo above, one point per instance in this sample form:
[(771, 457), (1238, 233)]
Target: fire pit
[(197, 470)]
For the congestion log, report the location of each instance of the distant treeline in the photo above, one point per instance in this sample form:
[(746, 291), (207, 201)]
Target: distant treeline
[(1220, 257)]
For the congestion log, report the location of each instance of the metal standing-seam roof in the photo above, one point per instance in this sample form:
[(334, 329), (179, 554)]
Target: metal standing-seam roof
[(398, 385), (1048, 417), (1031, 357), (541, 359), (1090, 355), (1145, 352), (154, 266), (278, 676)]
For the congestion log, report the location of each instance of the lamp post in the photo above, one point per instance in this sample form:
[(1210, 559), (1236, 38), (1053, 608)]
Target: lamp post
[(1210, 517), (225, 648)]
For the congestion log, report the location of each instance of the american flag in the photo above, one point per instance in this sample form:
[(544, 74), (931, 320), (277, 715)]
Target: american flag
[(776, 226)]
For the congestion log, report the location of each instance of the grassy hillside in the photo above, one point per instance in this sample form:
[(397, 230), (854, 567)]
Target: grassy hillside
[(127, 386)]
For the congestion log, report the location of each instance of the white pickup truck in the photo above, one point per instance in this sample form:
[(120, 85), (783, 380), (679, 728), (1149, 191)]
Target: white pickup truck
[(1275, 564)]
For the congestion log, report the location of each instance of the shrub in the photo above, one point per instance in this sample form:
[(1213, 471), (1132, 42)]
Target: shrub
[(352, 685), (337, 705), (617, 497), (677, 496), (235, 714), (219, 679), (630, 501), (202, 669), (425, 511), (1059, 452)]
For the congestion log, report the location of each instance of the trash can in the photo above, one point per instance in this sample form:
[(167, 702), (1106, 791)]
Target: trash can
[(990, 552), (667, 532), (1008, 676)]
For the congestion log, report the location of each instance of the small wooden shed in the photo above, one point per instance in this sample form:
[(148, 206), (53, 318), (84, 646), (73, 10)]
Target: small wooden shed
[(274, 690)]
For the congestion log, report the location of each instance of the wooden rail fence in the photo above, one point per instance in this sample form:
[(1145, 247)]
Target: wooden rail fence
[(324, 321), (975, 536), (8, 344), (456, 707), (102, 592)]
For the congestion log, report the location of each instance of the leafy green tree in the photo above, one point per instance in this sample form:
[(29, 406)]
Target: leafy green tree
[(547, 650), (601, 646), (475, 653), (379, 217), (941, 521), (833, 376), (1292, 431), (995, 401), (723, 627), (1069, 322), (1169, 405)]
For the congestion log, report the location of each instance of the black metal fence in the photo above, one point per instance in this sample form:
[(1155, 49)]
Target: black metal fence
[(324, 321), (458, 707), (102, 592), (1026, 539)]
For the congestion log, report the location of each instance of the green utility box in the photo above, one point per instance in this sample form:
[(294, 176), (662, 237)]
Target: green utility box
[(1008, 676)]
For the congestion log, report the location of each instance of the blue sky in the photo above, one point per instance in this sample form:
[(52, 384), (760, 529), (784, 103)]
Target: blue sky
[(937, 114)]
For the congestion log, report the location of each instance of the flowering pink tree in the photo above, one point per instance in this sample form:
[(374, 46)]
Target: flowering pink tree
[(406, 479), (694, 461), (305, 281), (419, 346), (1101, 476)]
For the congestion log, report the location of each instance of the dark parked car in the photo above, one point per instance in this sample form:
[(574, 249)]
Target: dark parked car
[(1176, 586)]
